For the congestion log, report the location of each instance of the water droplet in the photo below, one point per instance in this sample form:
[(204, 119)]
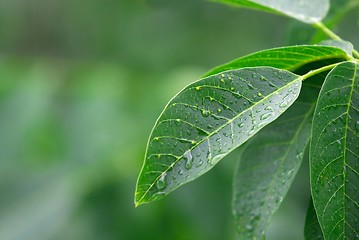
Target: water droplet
[(209, 155), (252, 131), (199, 163), (259, 94), (232, 88), (357, 125), (269, 108), (205, 113), (222, 75), (193, 142), (178, 122), (283, 104), (265, 116), (262, 78), (198, 88), (216, 158), (219, 110), (156, 138), (189, 159), (211, 98), (240, 125), (161, 182), (222, 80)]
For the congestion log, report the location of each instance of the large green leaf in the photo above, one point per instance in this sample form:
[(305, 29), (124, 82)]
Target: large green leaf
[(334, 154), (308, 11), (312, 230), (289, 58), (269, 164), (207, 120)]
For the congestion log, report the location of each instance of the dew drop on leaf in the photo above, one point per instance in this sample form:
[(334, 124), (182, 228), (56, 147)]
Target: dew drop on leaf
[(189, 159), (357, 125), (205, 113), (178, 122), (161, 183), (265, 116), (283, 104)]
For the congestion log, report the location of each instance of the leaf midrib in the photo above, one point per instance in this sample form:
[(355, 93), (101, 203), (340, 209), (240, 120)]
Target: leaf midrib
[(216, 131)]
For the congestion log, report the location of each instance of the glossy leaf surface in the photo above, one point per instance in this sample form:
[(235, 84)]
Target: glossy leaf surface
[(289, 58), (207, 120), (312, 230), (345, 45), (334, 154), (308, 11), (269, 164)]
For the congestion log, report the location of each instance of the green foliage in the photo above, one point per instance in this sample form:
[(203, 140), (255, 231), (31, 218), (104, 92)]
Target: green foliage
[(207, 120), (235, 102), (334, 153)]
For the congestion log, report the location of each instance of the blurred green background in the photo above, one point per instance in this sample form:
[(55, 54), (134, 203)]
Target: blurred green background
[(81, 85)]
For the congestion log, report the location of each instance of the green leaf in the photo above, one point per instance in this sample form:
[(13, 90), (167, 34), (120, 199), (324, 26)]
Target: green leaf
[(344, 45), (269, 164), (312, 230), (289, 58), (207, 120), (308, 11), (334, 153)]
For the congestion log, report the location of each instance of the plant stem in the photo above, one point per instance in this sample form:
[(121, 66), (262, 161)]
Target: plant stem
[(332, 35), (319, 70)]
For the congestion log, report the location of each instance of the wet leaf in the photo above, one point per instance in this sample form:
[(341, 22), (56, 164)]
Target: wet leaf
[(334, 153), (289, 58), (207, 120), (269, 164), (308, 11), (312, 230)]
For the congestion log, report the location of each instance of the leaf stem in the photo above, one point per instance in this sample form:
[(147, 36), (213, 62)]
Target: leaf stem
[(319, 70), (332, 35)]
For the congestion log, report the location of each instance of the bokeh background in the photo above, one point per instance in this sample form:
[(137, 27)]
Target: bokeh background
[(81, 85)]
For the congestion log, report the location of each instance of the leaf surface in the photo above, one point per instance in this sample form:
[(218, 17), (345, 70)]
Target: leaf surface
[(269, 164), (289, 58), (344, 45), (312, 230), (308, 11), (207, 120), (334, 154)]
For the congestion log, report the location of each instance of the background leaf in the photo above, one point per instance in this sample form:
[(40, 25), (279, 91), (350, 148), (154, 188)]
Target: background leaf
[(312, 230), (338, 10), (304, 10), (207, 120), (289, 58), (275, 154), (334, 153)]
